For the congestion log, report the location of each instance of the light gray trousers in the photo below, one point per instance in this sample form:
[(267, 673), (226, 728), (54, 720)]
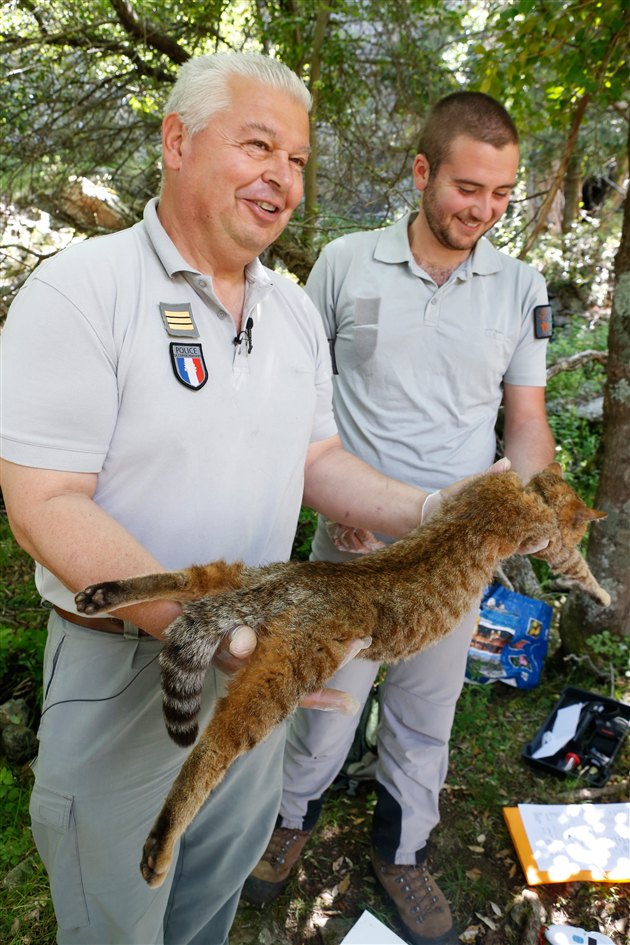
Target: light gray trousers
[(418, 699), (104, 767)]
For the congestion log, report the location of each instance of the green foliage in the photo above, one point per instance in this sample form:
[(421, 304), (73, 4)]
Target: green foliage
[(304, 534), (22, 622), (612, 650), (16, 839)]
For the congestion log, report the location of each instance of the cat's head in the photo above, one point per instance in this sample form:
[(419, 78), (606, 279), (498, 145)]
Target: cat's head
[(572, 514)]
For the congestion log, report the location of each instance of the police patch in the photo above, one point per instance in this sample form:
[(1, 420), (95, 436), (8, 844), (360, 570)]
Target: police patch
[(189, 365), (543, 321)]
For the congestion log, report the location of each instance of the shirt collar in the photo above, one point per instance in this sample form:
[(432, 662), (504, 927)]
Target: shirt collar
[(174, 262), (392, 246)]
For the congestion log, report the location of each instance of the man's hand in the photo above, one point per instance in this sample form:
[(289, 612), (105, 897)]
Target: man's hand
[(357, 540), (527, 549), (237, 647), (334, 700)]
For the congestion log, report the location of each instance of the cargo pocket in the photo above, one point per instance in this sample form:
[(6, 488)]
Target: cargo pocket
[(55, 834)]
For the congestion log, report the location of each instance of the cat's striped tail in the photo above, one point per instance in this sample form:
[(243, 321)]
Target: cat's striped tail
[(184, 662)]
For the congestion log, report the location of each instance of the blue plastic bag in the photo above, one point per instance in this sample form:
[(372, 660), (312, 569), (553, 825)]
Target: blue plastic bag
[(510, 640)]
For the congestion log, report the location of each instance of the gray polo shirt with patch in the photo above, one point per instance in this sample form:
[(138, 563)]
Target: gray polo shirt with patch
[(421, 367), (199, 446)]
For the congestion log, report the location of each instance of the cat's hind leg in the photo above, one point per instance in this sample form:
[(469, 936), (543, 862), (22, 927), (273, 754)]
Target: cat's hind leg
[(188, 584), (260, 696)]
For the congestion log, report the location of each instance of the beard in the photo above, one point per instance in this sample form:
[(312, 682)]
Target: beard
[(437, 221)]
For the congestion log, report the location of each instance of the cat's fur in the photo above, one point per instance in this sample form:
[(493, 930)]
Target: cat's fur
[(406, 597)]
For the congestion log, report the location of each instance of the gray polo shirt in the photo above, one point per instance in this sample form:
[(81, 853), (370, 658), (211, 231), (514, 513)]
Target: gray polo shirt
[(421, 367), (199, 446)]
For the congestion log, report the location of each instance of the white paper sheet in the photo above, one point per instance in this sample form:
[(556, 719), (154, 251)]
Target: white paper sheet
[(370, 931), (566, 838), (564, 728)]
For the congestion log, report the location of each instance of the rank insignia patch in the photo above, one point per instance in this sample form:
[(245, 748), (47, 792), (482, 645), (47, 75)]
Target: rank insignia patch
[(543, 321), (178, 320), (189, 365)]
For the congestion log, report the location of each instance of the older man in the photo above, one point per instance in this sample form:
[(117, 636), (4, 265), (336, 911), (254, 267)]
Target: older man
[(176, 408)]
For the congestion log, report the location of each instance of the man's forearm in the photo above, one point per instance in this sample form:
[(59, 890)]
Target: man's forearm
[(530, 448), (348, 491), (71, 536)]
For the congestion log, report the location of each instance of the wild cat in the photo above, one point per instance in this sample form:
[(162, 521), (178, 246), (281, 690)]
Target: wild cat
[(405, 596)]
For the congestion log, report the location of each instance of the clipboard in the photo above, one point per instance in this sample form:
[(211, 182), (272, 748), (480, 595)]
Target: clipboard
[(611, 844)]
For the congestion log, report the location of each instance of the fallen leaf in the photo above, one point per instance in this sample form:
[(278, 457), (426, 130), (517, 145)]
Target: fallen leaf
[(477, 849), (344, 885), (495, 908), (486, 921), (474, 874)]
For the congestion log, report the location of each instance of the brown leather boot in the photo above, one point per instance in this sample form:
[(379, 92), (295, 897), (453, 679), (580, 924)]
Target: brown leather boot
[(419, 900), (272, 872)]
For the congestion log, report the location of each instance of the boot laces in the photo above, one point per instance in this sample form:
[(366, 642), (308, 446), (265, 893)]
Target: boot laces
[(416, 881), (281, 842)]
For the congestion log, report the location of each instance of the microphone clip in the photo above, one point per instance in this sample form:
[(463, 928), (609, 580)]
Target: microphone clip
[(246, 335)]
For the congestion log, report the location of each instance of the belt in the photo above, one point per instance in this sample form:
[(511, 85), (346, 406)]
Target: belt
[(106, 624)]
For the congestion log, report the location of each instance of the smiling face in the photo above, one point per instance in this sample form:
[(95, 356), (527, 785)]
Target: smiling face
[(465, 197), (229, 191)]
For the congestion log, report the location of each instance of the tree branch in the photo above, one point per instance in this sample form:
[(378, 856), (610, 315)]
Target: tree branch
[(574, 361), (148, 33)]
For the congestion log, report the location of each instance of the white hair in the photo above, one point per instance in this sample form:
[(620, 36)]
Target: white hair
[(203, 85)]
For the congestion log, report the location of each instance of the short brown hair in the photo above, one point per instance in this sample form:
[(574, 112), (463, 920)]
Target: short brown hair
[(465, 113)]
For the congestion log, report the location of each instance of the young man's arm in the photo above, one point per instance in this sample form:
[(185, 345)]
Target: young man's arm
[(528, 439)]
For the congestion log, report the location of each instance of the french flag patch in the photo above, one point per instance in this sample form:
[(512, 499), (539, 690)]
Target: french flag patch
[(189, 365)]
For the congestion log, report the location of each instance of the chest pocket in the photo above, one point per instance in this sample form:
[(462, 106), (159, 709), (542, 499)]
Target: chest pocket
[(358, 339)]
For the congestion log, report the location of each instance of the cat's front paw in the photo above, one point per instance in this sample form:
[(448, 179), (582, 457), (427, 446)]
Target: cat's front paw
[(156, 861), (602, 597), (98, 597)]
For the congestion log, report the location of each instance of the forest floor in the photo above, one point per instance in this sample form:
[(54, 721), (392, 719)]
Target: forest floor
[(471, 852)]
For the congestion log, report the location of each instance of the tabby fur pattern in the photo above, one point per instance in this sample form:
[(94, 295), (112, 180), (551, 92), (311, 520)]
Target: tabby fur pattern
[(406, 596)]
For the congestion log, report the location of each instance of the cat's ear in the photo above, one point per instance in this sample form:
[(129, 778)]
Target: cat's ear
[(584, 514), (555, 469)]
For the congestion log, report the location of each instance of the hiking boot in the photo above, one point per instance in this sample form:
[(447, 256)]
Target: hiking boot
[(272, 872), (420, 902)]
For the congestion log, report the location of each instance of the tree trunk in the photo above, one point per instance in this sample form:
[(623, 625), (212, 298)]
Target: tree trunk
[(609, 544), (572, 193), (310, 175)]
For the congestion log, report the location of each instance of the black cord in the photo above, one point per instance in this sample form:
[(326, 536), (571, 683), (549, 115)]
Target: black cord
[(102, 698)]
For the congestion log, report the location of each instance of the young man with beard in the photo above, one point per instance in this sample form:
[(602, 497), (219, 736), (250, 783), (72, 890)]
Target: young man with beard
[(431, 329)]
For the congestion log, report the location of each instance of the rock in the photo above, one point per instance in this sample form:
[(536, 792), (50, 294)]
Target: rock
[(335, 930), (527, 916), (19, 743), (15, 712), (592, 409), (19, 873)]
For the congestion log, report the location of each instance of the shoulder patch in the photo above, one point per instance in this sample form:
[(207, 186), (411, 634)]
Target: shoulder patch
[(543, 321), (178, 319)]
